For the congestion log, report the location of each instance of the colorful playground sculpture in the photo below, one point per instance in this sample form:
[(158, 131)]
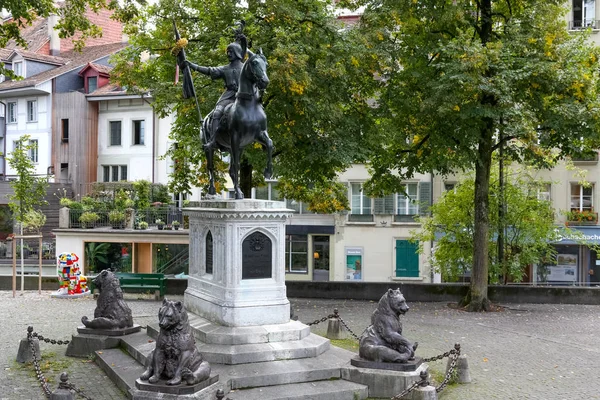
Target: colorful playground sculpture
[(72, 282)]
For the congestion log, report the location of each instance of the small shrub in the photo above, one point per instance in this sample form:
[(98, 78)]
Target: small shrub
[(143, 225), (116, 216), (88, 218)]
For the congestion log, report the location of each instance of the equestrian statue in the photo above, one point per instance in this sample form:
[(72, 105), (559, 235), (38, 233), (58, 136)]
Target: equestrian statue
[(238, 119)]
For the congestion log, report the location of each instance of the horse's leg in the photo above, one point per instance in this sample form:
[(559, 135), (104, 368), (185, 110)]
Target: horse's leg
[(264, 139), (234, 165)]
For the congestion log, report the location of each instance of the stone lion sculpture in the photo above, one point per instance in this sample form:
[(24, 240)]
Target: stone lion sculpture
[(111, 310), (383, 340), (175, 356)]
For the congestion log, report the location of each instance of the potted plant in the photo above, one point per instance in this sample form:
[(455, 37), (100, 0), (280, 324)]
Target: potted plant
[(160, 224), (582, 217), (117, 219), (88, 219), (175, 225), (143, 225)]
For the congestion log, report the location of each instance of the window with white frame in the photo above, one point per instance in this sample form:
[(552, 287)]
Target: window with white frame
[(33, 151), (267, 192), (115, 133), (407, 203), (92, 84), (138, 131), (584, 14), (582, 198), (360, 203), (296, 253), (543, 192), (18, 68), (31, 110), (12, 112), (114, 173)]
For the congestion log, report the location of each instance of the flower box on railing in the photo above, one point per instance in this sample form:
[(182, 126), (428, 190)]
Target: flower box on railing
[(582, 217)]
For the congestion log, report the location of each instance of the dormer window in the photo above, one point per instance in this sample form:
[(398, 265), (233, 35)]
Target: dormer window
[(92, 84), (18, 69)]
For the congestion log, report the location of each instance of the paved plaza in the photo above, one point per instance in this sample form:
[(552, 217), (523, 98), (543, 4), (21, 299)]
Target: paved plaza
[(527, 351)]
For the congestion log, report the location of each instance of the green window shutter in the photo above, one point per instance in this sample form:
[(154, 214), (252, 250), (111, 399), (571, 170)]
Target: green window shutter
[(407, 259), (424, 197)]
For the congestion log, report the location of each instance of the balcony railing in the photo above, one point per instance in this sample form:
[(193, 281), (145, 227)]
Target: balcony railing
[(576, 25)]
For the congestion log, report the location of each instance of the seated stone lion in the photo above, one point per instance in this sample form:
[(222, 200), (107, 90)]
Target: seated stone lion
[(175, 356), (383, 340), (111, 310)]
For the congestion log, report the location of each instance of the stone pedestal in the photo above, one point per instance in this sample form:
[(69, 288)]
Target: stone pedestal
[(237, 271), (24, 354)]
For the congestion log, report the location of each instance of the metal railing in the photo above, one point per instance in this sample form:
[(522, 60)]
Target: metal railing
[(577, 24)]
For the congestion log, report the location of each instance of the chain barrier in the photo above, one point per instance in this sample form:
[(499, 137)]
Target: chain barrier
[(36, 365), (455, 354), (38, 372)]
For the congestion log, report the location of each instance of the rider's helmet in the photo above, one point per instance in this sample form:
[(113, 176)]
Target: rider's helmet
[(236, 48)]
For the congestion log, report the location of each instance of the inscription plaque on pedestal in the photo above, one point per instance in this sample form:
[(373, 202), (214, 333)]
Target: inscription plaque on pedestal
[(257, 256)]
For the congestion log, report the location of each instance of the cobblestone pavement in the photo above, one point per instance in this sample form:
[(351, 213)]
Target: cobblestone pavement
[(529, 351)]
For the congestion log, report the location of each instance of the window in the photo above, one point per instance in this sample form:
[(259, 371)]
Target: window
[(114, 173), (92, 84), (296, 253), (543, 192), (359, 202), (584, 14), (407, 203), (407, 259), (31, 110), (64, 132), (33, 152), (384, 205), (581, 197), (449, 186), (18, 68), (138, 132), (12, 112), (268, 192), (115, 133)]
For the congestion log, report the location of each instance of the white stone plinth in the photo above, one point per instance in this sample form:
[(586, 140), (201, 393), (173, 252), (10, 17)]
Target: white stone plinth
[(224, 296)]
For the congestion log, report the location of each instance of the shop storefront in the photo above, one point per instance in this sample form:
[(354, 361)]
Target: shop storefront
[(576, 263)]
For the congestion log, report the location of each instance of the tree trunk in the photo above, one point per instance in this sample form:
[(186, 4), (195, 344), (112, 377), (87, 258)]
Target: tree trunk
[(246, 178), (477, 298)]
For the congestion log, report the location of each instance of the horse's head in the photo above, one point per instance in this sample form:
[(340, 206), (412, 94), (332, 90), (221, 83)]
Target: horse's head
[(257, 66)]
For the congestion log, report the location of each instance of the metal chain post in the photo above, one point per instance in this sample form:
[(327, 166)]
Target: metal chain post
[(36, 364), (455, 355)]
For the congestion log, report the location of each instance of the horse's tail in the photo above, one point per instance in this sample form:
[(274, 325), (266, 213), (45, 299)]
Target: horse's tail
[(205, 132)]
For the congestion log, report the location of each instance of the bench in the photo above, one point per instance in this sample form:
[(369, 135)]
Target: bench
[(140, 283)]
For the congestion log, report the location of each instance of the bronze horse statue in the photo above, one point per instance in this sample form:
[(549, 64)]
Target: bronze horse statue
[(243, 122)]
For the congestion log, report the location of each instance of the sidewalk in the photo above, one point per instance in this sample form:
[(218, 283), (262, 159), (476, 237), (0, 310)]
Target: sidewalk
[(529, 351)]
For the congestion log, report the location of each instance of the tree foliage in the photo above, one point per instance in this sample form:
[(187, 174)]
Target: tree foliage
[(527, 224), (315, 103), (458, 79), (29, 190)]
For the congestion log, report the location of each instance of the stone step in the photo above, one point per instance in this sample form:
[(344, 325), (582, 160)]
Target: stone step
[(321, 390), (309, 346), (122, 369), (325, 366), (209, 332)]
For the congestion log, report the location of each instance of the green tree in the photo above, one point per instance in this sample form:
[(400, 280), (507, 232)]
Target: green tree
[(528, 223), (315, 102), (459, 79), (29, 189)]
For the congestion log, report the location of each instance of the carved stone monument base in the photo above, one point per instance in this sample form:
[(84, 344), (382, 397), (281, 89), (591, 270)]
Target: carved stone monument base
[(237, 257), (109, 332), (410, 365), (162, 387)]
